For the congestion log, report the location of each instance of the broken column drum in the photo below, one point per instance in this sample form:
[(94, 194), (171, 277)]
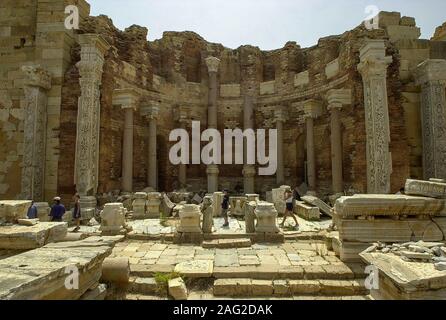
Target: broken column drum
[(113, 218), (153, 204)]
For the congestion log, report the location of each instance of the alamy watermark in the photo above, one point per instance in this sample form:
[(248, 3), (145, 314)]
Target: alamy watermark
[(72, 20), (250, 145), (372, 280), (72, 280)]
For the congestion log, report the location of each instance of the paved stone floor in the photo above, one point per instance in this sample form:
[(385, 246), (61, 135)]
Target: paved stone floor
[(287, 254)]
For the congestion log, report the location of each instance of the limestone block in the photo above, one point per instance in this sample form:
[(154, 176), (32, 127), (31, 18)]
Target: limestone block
[(139, 205), (389, 19), (252, 197), (208, 214), (403, 33), (302, 79), (12, 210), (315, 201), (408, 22), (349, 251), (217, 201), (332, 69), (307, 212), (399, 279), (113, 218), (40, 274), (250, 217), (266, 215), (27, 222), (278, 198), (177, 289), (97, 293), (268, 87), (388, 205), (153, 204), (237, 205), (388, 230), (190, 216), (167, 206), (425, 188), (230, 90), (262, 288), (88, 207), (31, 237), (195, 268), (43, 211)]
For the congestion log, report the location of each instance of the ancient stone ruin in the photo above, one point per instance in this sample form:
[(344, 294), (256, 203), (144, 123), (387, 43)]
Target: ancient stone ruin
[(358, 117)]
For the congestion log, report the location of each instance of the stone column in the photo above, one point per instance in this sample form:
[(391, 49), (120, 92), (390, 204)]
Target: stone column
[(431, 75), (151, 113), (336, 99), (212, 170), (37, 82), (280, 118), (249, 170), (93, 49), (127, 99), (312, 109), (373, 68), (183, 120)]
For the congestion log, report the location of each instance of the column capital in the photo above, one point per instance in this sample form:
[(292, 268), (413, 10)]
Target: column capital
[(337, 98), (312, 108), (373, 58), (430, 70), (280, 114), (36, 76), (212, 64), (151, 112), (126, 98), (93, 43)]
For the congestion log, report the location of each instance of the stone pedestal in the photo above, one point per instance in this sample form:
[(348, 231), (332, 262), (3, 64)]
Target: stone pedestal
[(373, 68), (190, 216), (217, 200), (153, 204), (13, 210), (93, 49), (237, 205), (37, 83), (208, 214), (113, 219), (266, 215), (43, 211), (250, 216), (139, 205), (88, 207), (431, 75)]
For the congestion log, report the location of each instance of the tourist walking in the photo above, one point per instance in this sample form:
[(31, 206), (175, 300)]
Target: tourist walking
[(57, 210), (225, 208), (32, 211), (77, 212), (289, 211)]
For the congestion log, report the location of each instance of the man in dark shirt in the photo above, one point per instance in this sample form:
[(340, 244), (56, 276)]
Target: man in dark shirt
[(57, 210), (225, 207), (32, 211)]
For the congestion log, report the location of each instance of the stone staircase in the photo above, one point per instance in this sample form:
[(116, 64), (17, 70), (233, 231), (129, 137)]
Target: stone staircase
[(227, 243), (311, 282)]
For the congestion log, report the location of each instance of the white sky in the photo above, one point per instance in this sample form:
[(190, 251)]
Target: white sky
[(268, 24)]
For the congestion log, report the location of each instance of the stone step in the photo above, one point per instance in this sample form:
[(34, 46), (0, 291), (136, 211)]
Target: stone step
[(144, 286), (227, 243), (133, 296), (285, 288)]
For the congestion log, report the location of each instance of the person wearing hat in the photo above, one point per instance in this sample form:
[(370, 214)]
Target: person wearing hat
[(57, 210)]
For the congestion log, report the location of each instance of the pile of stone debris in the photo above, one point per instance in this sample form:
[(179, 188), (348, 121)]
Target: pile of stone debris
[(430, 252)]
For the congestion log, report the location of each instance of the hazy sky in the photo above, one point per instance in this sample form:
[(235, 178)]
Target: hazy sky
[(268, 24)]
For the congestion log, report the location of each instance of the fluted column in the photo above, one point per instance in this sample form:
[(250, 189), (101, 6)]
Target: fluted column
[(373, 68), (151, 113), (127, 100), (280, 119), (336, 99), (212, 169), (93, 49), (37, 83), (431, 76), (312, 109)]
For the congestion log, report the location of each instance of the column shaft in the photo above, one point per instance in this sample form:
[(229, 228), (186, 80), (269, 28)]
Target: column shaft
[(280, 176), (127, 152), (311, 167), (152, 174), (182, 170), (248, 123), (336, 151)]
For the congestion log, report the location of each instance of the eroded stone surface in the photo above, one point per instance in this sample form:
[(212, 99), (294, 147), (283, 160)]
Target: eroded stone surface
[(31, 237)]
